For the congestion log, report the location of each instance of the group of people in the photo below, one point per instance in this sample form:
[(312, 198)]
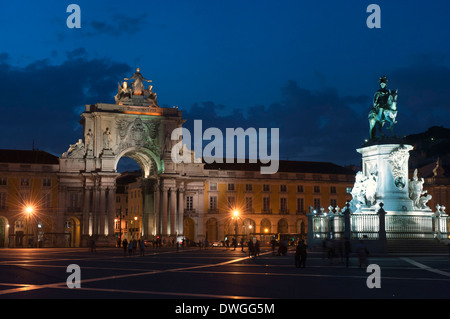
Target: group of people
[(341, 248), (132, 246), (332, 249)]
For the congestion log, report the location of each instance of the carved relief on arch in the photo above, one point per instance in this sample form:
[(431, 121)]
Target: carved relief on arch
[(138, 133)]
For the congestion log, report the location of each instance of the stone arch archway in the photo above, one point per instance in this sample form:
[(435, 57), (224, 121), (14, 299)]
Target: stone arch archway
[(189, 229), (145, 158), (249, 226), (282, 226), (72, 229), (212, 230), (134, 127), (266, 226), (300, 227)]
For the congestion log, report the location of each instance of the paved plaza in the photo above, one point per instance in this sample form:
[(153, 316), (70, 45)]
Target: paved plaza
[(215, 273)]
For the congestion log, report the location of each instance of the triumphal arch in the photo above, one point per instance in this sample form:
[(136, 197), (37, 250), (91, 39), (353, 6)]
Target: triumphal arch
[(135, 127)]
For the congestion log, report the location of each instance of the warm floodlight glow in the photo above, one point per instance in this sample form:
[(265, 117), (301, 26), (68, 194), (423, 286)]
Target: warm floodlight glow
[(29, 210), (236, 213)]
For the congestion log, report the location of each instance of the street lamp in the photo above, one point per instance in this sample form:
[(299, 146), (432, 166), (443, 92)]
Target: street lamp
[(235, 217), (28, 212)]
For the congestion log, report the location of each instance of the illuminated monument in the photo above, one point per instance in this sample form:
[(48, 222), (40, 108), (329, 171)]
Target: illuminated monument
[(134, 127), (387, 204), (384, 176)]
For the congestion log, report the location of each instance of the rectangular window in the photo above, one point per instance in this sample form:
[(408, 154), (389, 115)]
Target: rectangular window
[(333, 203), (3, 181), (300, 205), (74, 200), (24, 181), (248, 187), (317, 204), (283, 205), (348, 190), (231, 187), (248, 204), (3, 200), (332, 189), (213, 186), (47, 200), (283, 188), (232, 202), (213, 202), (316, 189), (266, 188), (299, 188), (266, 203), (46, 182), (189, 202)]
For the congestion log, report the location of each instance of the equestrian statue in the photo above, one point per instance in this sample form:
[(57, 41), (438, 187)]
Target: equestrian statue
[(384, 109)]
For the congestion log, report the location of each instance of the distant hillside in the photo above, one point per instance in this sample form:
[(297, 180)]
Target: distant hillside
[(429, 145)]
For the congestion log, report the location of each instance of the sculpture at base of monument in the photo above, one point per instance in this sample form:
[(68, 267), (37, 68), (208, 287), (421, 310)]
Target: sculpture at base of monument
[(364, 190), (384, 109), (416, 192)]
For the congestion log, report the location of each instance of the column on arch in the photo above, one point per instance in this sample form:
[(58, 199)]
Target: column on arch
[(111, 211), (149, 211), (157, 206), (180, 217), (101, 213), (173, 208), (165, 211)]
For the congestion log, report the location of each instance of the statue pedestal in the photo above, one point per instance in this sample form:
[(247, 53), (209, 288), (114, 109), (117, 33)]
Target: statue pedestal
[(389, 164)]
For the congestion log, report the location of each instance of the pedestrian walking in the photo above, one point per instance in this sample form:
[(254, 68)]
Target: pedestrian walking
[(134, 246), (141, 247), (363, 252), (242, 244), (257, 247), (250, 249), (130, 248), (125, 246), (297, 256), (92, 245), (300, 254)]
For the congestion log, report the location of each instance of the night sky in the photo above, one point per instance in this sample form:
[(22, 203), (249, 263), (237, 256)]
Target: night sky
[(309, 68)]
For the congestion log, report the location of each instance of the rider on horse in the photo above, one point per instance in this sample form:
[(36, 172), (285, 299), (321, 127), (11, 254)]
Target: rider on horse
[(384, 108)]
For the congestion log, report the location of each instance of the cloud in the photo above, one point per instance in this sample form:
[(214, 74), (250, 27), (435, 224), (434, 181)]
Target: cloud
[(119, 25), (313, 126), (40, 102), (324, 126)]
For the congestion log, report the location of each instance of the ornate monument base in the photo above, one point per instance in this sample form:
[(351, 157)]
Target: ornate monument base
[(384, 179)]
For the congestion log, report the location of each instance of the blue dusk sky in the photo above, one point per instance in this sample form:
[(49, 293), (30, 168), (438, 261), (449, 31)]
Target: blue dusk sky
[(309, 68)]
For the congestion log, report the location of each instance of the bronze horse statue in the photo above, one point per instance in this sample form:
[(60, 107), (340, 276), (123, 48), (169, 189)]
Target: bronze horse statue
[(384, 110)]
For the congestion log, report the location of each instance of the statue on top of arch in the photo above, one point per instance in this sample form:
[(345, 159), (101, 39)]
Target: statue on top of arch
[(136, 94)]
